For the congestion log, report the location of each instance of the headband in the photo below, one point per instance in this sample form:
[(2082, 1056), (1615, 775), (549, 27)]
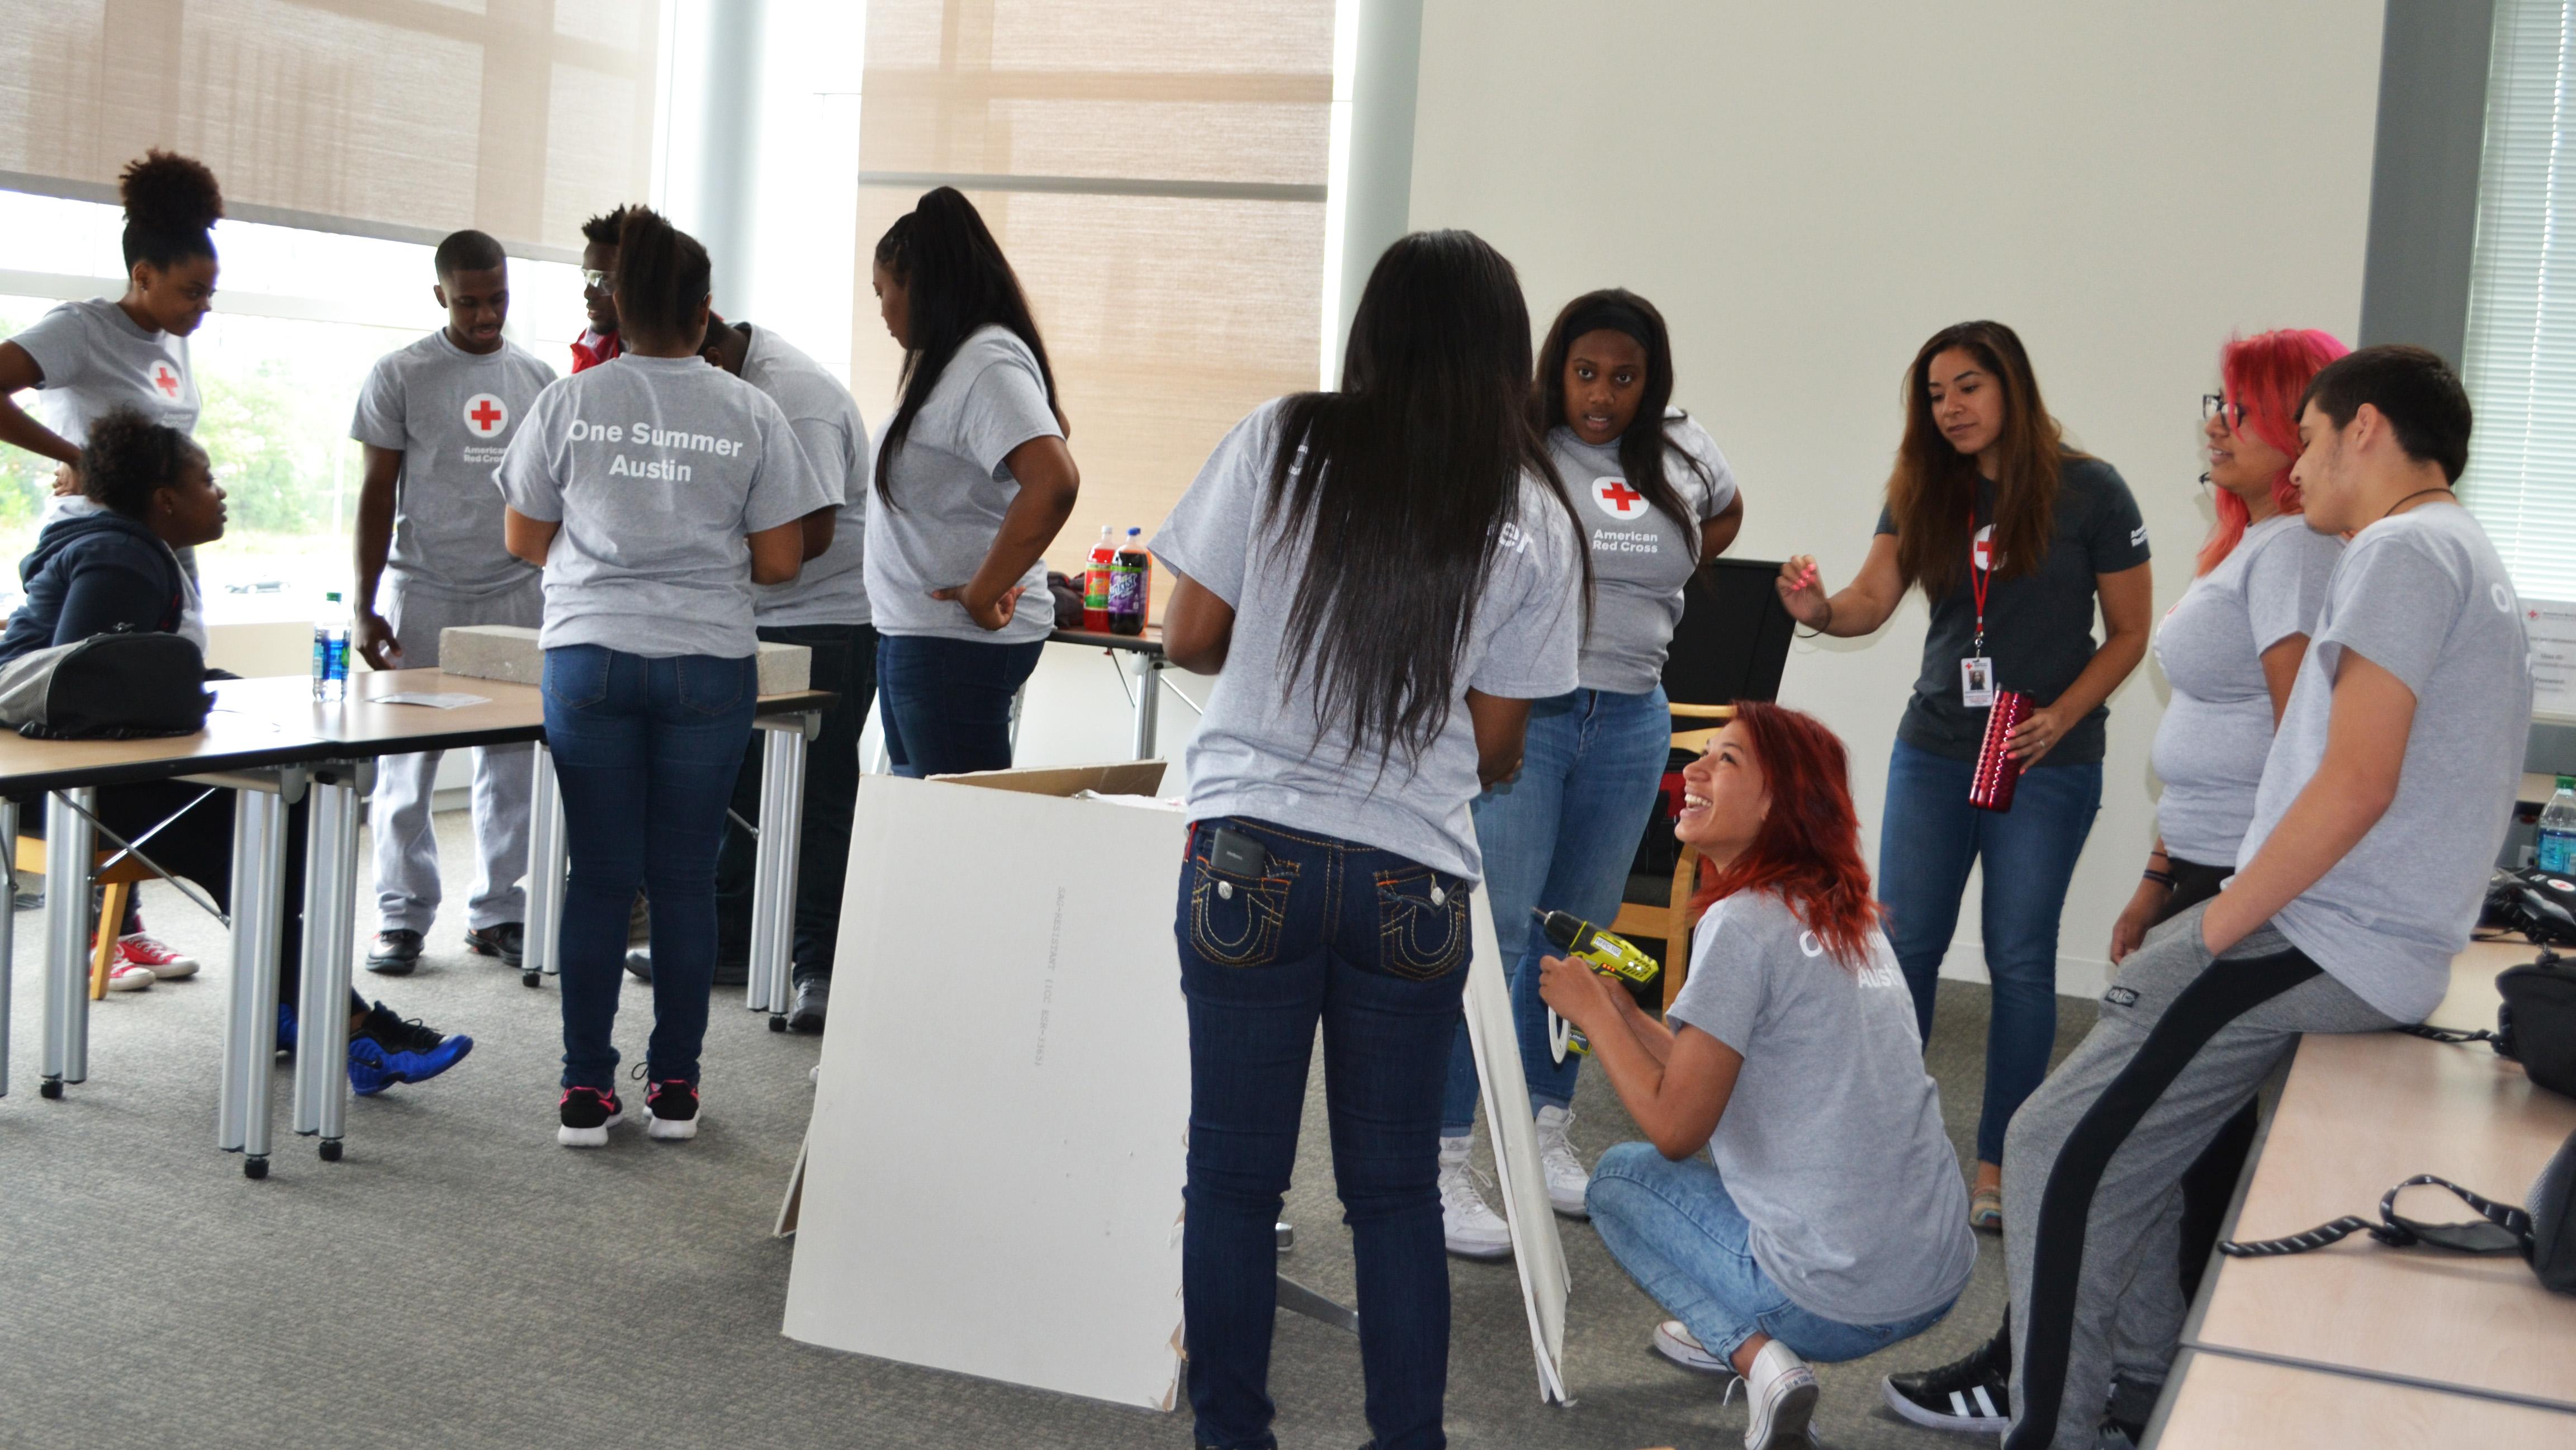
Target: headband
[(1611, 315)]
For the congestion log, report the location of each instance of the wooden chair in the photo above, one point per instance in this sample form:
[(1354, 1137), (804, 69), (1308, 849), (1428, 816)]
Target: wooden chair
[(119, 879), (1671, 920)]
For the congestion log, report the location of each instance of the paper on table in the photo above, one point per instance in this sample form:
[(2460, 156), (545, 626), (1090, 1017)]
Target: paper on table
[(432, 699), (2552, 628)]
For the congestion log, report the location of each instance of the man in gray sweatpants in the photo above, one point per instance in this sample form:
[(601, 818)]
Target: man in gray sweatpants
[(433, 419), (2389, 785)]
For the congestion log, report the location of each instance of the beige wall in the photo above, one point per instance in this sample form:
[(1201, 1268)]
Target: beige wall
[(1808, 191)]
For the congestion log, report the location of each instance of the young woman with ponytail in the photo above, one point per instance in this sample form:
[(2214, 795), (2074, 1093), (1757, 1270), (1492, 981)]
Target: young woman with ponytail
[(973, 480), (1796, 1197), (89, 358), (1656, 501), (655, 491), (1382, 579)]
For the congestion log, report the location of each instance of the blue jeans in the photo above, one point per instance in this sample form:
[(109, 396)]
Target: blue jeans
[(1929, 838), (1560, 836), (1678, 1233), (645, 751), (946, 703), (1374, 946)]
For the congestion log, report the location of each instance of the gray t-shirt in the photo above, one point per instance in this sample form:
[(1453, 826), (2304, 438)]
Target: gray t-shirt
[(1831, 1142), (833, 587), (95, 358), (950, 490), (450, 414), (2217, 729), (2039, 626), (1641, 556), (657, 468), (2424, 597), (1258, 752)]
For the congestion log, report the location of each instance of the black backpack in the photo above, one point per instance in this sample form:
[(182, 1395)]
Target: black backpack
[(115, 686)]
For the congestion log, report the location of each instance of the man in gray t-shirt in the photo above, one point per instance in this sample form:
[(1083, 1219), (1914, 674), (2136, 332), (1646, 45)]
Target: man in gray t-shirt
[(2383, 799), (433, 419)]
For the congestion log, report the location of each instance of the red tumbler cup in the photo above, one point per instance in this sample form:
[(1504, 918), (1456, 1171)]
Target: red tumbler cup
[(1991, 788)]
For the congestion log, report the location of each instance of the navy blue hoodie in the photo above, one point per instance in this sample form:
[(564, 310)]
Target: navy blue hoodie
[(89, 574)]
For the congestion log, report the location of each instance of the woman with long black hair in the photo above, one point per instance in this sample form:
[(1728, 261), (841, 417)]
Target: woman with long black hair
[(2013, 537), (973, 481), (655, 491), (1657, 501), (1386, 576)]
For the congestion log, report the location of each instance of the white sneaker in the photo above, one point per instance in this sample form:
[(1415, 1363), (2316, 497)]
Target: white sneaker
[(1566, 1175), (1678, 1344), (1780, 1396), (125, 976), (1473, 1230)]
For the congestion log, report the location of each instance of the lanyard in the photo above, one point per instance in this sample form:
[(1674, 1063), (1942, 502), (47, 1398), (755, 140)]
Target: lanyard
[(1978, 579)]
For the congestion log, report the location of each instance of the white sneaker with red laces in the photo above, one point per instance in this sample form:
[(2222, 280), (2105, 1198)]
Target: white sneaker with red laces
[(147, 951), (125, 976)]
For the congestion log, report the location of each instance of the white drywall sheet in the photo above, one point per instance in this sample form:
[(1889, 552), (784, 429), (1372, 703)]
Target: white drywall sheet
[(994, 1169)]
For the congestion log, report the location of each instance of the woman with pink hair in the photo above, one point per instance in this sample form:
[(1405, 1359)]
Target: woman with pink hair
[(2230, 648)]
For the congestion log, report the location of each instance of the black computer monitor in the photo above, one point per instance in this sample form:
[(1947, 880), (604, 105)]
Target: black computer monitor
[(1733, 641)]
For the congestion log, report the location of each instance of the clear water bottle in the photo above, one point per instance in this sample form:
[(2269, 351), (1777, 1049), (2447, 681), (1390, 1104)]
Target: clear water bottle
[(2558, 830), (331, 651)]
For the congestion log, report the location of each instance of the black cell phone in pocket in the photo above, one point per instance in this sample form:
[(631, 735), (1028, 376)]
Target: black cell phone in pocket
[(1232, 853)]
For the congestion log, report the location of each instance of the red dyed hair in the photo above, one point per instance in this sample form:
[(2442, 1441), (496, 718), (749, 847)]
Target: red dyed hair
[(1808, 850), (2266, 374)]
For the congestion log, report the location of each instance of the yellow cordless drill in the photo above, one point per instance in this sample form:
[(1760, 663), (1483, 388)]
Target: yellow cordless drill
[(1607, 952)]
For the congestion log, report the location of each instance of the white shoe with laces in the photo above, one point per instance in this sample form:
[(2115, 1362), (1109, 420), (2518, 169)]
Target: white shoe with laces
[(1473, 1231), (1780, 1397), (1567, 1178)]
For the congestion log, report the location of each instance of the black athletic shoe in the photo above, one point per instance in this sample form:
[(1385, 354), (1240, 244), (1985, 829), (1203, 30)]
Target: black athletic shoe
[(1973, 1394), (506, 940), (639, 964), (813, 999), (587, 1114), (671, 1110), (395, 953)]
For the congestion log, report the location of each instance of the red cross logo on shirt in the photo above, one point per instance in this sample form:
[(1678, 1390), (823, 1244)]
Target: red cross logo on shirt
[(1617, 499), (166, 378), (486, 414)]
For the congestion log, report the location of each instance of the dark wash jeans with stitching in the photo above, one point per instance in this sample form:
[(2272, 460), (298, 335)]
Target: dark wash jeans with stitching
[(645, 750), (1374, 946)]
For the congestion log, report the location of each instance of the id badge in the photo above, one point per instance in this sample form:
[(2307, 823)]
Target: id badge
[(1977, 682)]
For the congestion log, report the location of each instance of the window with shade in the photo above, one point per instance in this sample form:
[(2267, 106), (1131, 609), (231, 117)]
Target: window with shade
[(2520, 363), (348, 136), (1156, 171)]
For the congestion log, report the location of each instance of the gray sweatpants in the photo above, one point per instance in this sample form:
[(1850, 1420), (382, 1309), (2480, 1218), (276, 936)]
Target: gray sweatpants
[(407, 889), (2094, 1160)]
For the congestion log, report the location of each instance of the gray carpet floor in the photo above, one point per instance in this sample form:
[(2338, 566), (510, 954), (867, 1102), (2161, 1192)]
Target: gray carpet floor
[(460, 1281)]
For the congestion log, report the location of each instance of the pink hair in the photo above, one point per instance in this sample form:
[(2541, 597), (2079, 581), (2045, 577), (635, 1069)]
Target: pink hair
[(2266, 374)]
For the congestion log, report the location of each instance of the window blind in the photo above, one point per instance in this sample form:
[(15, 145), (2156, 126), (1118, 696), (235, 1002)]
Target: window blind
[(1156, 171), (405, 119), (2520, 363)]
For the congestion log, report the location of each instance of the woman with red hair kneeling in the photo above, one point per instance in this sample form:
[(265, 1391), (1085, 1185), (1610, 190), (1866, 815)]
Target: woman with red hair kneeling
[(1828, 1219)]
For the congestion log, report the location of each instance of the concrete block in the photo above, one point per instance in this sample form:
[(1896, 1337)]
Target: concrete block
[(509, 653)]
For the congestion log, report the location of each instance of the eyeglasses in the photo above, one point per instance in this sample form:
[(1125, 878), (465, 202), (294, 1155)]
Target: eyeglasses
[(2215, 405), (594, 278)]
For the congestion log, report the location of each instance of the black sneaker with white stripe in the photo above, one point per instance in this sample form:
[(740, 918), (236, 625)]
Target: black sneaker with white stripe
[(1973, 1394)]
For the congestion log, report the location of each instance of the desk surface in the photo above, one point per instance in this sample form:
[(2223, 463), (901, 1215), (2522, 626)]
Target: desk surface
[(275, 721), (2222, 1402), (2361, 1113), (1150, 642)]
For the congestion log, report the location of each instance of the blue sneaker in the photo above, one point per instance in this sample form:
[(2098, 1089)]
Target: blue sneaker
[(387, 1049), (285, 1030)]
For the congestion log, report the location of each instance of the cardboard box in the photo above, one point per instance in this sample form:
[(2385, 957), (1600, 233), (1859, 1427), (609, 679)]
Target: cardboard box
[(992, 1177), (509, 653)]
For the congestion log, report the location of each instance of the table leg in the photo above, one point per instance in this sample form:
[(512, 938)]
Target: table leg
[(71, 847), (1149, 701), (242, 1119), (782, 817), (331, 864), (8, 929), (546, 863)]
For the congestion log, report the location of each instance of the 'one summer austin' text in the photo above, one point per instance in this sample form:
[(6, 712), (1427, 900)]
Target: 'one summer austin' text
[(648, 436)]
